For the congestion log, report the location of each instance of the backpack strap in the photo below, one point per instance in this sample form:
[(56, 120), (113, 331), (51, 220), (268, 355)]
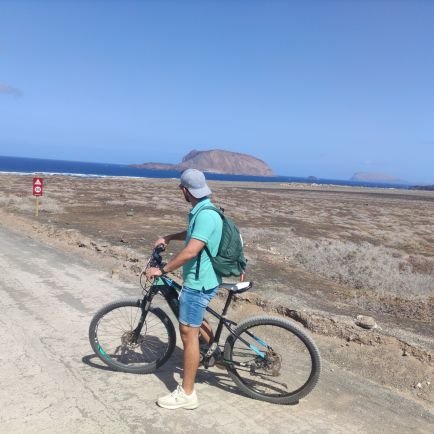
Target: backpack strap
[(213, 208), (199, 256)]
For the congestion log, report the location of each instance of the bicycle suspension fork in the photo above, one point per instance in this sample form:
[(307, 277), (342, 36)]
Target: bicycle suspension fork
[(145, 304)]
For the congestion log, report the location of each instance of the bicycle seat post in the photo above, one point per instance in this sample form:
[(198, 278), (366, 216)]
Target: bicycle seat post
[(227, 303)]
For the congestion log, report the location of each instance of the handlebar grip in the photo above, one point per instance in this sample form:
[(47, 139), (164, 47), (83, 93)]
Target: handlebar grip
[(160, 248)]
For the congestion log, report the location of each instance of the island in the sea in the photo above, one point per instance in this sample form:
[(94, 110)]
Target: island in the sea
[(216, 161), (423, 187), (378, 178)]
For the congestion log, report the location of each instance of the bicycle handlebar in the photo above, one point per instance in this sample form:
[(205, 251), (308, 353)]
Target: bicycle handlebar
[(156, 260), (160, 248)]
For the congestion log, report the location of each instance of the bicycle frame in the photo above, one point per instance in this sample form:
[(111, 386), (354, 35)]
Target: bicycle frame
[(135, 335), (170, 291)]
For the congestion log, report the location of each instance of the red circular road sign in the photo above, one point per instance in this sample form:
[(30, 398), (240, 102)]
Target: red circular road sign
[(38, 186)]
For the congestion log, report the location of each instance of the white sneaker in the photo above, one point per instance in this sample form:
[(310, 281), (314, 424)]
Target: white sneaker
[(179, 399)]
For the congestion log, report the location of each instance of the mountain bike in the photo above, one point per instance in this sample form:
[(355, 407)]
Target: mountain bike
[(269, 358)]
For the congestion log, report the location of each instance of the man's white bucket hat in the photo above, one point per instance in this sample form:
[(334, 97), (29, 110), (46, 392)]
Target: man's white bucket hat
[(194, 181)]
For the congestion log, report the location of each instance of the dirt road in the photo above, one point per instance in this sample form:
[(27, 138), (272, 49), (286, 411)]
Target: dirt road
[(51, 382)]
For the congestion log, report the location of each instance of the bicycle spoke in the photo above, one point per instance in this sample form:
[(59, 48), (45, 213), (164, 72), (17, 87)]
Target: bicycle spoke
[(285, 368), (115, 331)]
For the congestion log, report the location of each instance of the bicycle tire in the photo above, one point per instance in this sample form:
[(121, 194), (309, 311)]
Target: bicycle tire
[(295, 355), (109, 337)]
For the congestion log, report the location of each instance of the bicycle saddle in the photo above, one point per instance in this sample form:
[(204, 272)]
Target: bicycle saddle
[(237, 288)]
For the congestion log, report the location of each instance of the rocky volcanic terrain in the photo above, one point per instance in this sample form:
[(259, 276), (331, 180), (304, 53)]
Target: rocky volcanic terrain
[(325, 256)]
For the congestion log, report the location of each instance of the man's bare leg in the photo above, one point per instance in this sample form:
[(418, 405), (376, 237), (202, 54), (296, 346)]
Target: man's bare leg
[(206, 332), (191, 356)]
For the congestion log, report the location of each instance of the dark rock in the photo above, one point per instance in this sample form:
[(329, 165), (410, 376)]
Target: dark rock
[(135, 269), (366, 322)]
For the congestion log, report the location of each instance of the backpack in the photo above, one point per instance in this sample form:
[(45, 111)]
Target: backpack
[(230, 260)]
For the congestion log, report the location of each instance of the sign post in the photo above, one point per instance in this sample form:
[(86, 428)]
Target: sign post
[(38, 184)]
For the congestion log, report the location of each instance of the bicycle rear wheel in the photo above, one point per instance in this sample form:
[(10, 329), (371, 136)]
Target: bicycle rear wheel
[(277, 362), (111, 337)]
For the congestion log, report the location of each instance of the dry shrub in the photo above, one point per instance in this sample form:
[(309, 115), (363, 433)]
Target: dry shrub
[(359, 265), (26, 203), (362, 266), (418, 264)]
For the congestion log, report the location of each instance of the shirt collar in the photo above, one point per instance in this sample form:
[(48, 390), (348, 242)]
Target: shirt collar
[(199, 206)]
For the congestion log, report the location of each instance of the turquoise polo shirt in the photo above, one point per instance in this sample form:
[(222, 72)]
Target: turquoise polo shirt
[(205, 226)]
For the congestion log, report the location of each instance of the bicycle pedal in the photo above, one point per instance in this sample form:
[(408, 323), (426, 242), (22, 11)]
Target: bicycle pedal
[(207, 362)]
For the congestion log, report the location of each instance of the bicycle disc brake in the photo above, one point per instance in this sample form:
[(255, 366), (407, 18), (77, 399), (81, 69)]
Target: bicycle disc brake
[(270, 364), (130, 340)]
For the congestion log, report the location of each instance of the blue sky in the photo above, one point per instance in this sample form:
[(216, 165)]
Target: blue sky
[(318, 88)]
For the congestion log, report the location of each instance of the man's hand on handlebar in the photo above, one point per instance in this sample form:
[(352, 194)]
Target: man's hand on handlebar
[(162, 241), (153, 272), (156, 264), (160, 245)]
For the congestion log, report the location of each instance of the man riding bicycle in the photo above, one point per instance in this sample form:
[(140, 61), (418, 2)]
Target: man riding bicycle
[(200, 281)]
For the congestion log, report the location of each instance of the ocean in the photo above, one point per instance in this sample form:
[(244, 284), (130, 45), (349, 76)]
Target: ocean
[(18, 165)]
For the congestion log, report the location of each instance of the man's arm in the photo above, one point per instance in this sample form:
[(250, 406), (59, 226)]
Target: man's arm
[(179, 236), (190, 251)]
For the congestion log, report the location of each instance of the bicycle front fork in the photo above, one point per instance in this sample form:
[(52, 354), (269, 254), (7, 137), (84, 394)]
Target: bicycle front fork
[(145, 305)]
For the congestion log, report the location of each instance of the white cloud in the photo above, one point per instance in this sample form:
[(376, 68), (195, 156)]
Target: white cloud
[(6, 89)]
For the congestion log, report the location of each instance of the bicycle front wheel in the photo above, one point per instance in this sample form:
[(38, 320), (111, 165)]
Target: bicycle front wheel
[(272, 359), (112, 337)]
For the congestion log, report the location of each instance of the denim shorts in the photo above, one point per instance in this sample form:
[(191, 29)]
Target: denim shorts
[(192, 305)]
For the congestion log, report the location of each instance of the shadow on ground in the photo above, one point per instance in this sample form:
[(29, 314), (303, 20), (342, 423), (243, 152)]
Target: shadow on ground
[(173, 368)]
